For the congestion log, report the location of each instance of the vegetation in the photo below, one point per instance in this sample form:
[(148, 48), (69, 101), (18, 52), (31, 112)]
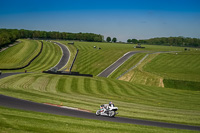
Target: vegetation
[(114, 39), (49, 57), (178, 66), (13, 120), (92, 60), (139, 76), (19, 55), (108, 39), (171, 70), (8, 36), (135, 101), (181, 84), (173, 41), (134, 41), (143, 97)]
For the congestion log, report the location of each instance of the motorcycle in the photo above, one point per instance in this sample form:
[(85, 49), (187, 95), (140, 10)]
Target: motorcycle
[(107, 110)]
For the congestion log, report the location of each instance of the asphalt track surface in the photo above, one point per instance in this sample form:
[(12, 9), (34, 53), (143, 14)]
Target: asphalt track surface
[(117, 64), (3, 75), (65, 56)]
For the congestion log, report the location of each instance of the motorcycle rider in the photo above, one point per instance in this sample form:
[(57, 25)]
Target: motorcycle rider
[(101, 109), (107, 109)]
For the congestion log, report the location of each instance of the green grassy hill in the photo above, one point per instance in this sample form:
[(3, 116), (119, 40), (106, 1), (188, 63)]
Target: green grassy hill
[(19, 55), (92, 60), (136, 101), (139, 76), (180, 66), (48, 58), (143, 96)]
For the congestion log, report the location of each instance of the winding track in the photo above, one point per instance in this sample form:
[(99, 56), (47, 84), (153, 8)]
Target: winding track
[(12, 102), (65, 57)]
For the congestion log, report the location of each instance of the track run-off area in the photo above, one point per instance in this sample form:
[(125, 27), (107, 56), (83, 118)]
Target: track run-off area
[(12, 102)]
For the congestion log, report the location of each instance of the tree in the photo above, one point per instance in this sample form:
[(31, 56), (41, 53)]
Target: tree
[(129, 41), (134, 41), (114, 39), (108, 39), (97, 39)]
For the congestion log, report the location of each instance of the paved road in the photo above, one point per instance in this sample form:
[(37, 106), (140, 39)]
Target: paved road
[(3, 75), (117, 64), (65, 57), (11, 102)]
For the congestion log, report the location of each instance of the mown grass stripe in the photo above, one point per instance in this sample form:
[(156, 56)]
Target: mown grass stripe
[(74, 85), (61, 85), (87, 85)]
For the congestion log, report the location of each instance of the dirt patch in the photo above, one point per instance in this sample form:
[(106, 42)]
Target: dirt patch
[(161, 84), (127, 77)]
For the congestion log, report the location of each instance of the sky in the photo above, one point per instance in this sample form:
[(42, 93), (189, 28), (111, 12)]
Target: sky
[(123, 19)]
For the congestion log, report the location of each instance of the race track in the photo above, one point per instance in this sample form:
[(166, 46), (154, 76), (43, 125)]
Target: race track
[(65, 56), (11, 102), (117, 64)]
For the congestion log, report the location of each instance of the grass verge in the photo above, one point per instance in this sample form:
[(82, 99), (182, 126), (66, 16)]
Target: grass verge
[(13, 120)]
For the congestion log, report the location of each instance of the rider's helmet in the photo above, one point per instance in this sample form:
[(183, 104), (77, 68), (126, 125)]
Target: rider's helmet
[(110, 103)]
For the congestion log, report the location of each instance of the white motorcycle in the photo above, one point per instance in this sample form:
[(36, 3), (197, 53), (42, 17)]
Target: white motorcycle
[(107, 110)]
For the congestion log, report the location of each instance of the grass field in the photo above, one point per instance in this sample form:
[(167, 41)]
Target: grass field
[(143, 96), (136, 101), (180, 66), (92, 60), (139, 76), (171, 70), (19, 55), (49, 57), (13, 120)]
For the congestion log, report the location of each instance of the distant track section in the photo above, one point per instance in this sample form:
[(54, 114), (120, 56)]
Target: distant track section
[(117, 64), (66, 55), (29, 61), (3, 75)]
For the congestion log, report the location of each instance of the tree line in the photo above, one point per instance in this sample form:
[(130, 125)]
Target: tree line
[(170, 41), (11, 35)]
